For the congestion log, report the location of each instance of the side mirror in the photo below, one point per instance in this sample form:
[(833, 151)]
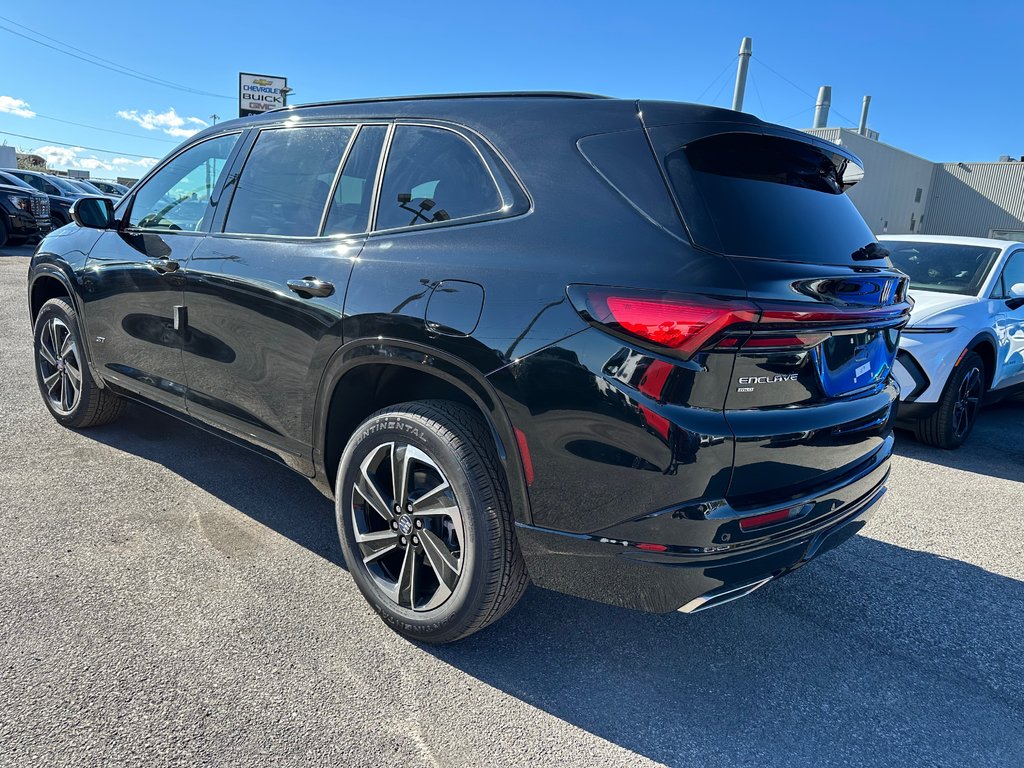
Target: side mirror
[(1015, 299), (93, 212)]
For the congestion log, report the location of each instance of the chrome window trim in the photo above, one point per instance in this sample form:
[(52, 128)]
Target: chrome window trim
[(504, 211), (358, 126)]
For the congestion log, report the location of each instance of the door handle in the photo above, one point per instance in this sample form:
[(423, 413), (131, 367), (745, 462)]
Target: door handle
[(164, 265), (311, 286)]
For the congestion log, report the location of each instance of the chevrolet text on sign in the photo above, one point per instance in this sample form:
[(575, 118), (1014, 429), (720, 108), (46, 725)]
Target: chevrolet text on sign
[(260, 93)]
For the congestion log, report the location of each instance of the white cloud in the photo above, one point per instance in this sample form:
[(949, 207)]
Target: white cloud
[(170, 122), (58, 155), (73, 157), (142, 162), (15, 106)]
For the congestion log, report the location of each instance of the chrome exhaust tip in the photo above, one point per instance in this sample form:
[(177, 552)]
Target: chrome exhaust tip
[(721, 596)]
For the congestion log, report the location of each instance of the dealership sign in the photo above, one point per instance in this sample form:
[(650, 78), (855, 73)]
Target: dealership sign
[(260, 93)]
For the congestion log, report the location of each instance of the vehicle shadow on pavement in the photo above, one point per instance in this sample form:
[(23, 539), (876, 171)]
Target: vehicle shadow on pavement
[(993, 447), (872, 655), (282, 500)]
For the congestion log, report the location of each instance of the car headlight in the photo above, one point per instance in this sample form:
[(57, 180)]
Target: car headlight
[(24, 203)]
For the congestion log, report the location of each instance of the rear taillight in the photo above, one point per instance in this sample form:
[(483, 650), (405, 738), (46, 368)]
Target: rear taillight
[(684, 325)]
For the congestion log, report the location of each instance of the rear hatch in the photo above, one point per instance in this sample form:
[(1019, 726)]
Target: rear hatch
[(811, 397)]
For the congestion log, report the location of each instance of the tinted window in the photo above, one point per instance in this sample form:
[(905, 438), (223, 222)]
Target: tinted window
[(284, 185), (177, 195), (754, 195), (38, 183), (350, 206), (1013, 274), (433, 175), (14, 181), (942, 266)]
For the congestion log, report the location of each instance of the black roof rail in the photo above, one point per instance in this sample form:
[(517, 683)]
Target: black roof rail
[(438, 96)]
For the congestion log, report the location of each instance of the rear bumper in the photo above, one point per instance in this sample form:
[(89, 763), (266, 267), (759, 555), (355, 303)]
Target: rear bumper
[(626, 573)]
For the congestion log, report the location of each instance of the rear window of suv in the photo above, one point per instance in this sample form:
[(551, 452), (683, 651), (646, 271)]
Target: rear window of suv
[(749, 194)]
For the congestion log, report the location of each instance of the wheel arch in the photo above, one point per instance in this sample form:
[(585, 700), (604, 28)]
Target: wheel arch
[(985, 346), (364, 376), (49, 283)]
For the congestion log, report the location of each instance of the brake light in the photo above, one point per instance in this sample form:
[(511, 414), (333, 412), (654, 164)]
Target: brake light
[(681, 323), (687, 324)]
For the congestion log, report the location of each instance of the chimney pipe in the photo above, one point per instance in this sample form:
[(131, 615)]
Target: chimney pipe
[(746, 48), (821, 106), (862, 129)]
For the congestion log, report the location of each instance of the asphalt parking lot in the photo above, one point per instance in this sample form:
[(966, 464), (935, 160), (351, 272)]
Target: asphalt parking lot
[(166, 598)]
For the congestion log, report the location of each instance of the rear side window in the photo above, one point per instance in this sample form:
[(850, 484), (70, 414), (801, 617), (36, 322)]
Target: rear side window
[(350, 205), (754, 195), (287, 178), (433, 175)]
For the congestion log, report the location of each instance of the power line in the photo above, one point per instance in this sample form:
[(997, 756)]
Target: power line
[(98, 61), (724, 70), (764, 112), (75, 146), (106, 130), (805, 93)]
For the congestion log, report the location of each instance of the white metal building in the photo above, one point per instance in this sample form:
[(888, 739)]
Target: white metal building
[(902, 193)]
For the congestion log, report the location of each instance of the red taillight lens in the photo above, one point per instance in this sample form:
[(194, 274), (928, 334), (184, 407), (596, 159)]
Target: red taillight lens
[(681, 323)]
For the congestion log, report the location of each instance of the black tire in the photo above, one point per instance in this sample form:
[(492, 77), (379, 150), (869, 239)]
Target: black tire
[(57, 220), (951, 423), (16, 242), (90, 406), (459, 449), (4, 236)]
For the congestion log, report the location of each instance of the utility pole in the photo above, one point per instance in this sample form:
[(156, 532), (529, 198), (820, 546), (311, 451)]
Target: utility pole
[(746, 50)]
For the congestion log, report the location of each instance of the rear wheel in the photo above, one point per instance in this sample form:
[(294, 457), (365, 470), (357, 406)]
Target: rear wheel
[(65, 383), (4, 236), (425, 521), (951, 423)]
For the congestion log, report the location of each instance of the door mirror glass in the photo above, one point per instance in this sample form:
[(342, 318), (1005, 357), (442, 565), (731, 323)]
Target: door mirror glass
[(93, 212), (1016, 291)]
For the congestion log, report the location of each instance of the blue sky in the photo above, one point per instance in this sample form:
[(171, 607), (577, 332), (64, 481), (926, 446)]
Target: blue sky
[(945, 82)]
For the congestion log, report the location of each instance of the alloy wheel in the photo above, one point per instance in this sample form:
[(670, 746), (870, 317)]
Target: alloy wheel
[(968, 399), (408, 526), (60, 365)]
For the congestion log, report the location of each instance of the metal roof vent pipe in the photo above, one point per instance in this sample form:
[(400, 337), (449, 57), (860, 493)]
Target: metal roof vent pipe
[(746, 49), (862, 129), (821, 107)]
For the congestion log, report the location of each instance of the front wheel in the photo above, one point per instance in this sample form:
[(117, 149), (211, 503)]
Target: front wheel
[(425, 521), (951, 423), (65, 383)]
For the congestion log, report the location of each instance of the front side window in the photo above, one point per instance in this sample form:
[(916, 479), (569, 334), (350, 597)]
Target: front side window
[(1013, 273), (433, 175), (176, 197), (284, 185)]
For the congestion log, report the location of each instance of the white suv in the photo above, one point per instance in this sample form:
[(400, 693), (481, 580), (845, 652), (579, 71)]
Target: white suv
[(965, 341)]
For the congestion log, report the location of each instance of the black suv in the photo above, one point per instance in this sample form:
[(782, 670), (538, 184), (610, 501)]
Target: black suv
[(24, 213), (60, 192), (634, 351)]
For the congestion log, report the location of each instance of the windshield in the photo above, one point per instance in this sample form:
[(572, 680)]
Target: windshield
[(64, 185), (748, 194), (943, 267), (86, 187)]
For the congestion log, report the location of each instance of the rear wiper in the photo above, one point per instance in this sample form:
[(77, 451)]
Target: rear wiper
[(870, 251)]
